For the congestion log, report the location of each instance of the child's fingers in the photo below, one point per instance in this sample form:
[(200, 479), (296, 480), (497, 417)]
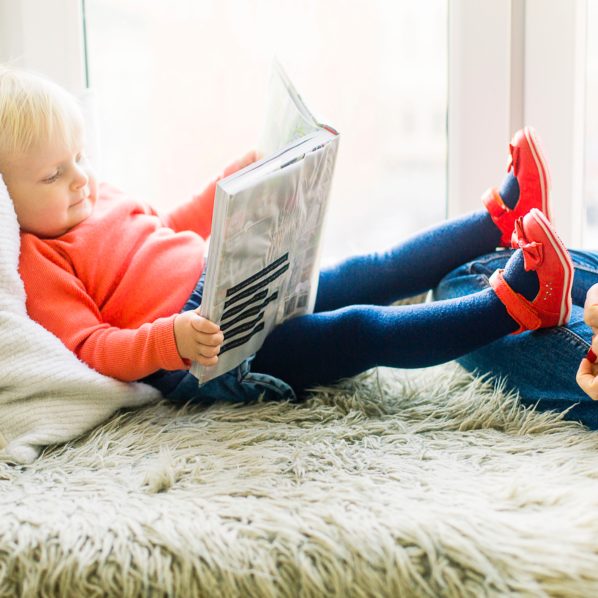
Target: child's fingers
[(584, 374), (590, 316), (590, 308), (207, 351), (592, 295), (249, 158), (209, 340), (206, 361), (587, 379), (204, 325)]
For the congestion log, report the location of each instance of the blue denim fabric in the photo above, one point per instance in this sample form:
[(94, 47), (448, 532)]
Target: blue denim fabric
[(240, 385), (542, 364)]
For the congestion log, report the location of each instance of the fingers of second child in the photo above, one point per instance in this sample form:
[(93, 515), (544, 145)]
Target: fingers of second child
[(590, 310), (587, 378)]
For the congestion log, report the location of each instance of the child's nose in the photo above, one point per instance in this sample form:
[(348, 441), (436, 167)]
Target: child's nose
[(80, 179)]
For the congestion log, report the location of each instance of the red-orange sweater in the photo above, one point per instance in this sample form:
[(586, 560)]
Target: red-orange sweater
[(111, 286)]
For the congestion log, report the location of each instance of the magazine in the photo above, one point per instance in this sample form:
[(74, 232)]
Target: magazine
[(263, 259)]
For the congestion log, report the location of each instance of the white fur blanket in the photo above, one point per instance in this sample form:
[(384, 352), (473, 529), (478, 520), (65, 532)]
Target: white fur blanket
[(423, 484), (47, 395)]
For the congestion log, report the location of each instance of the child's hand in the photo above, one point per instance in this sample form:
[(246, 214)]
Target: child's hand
[(587, 374), (590, 309), (197, 338), (246, 160)]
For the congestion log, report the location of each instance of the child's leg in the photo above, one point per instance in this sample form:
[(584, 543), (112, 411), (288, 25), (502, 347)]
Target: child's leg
[(419, 263), (410, 268), (323, 347)]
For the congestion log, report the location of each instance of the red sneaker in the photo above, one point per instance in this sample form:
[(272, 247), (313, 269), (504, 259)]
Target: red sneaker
[(531, 172), (544, 253)]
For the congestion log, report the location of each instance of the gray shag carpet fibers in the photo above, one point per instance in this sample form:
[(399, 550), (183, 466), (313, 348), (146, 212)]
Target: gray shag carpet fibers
[(425, 483)]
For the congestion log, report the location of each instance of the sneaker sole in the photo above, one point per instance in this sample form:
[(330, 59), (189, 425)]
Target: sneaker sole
[(542, 167), (566, 263)]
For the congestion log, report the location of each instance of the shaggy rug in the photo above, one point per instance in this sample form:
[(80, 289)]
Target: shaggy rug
[(423, 483)]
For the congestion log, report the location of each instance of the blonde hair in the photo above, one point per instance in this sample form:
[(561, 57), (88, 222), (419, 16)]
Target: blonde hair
[(33, 111)]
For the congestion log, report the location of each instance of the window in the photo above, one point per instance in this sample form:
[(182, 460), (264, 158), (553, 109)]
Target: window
[(180, 91), (591, 140), (389, 60)]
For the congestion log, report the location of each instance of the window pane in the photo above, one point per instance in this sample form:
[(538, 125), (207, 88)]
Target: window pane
[(181, 89), (590, 236)]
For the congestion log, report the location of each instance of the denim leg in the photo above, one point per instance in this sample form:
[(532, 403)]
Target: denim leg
[(542, 364), (240, 385), (586, 273)]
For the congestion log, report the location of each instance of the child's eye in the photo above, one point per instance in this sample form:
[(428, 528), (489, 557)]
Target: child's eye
[(52, 178)]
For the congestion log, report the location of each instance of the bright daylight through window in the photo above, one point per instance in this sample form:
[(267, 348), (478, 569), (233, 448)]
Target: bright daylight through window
[(181, 90)]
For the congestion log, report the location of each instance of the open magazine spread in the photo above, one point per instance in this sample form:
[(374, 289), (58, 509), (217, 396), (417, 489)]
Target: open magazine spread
[(263, 261)]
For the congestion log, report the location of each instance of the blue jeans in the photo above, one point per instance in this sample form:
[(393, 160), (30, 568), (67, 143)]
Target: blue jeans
[(240, 385), (541, 365)]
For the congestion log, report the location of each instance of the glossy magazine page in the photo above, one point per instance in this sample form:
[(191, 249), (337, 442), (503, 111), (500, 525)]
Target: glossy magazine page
[(287, 117), (263, 261)]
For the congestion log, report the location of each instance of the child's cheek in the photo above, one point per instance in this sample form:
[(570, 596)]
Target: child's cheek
[(93, 188)]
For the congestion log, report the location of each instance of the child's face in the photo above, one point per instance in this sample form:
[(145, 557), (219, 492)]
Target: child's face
[(52, 188)]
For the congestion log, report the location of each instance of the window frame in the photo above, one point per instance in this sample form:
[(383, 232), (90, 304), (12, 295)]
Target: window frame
[(555, 84), (504, 62), (47, 37)]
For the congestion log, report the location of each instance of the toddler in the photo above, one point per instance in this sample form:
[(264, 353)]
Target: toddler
[(120, 284)]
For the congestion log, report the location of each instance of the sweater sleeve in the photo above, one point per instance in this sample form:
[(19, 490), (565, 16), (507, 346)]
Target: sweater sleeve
[(58, 301)]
